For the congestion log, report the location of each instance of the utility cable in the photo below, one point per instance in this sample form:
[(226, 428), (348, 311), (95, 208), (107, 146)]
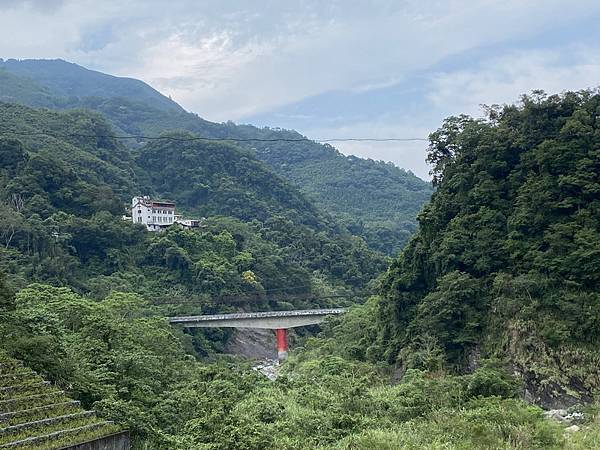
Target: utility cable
[(207, 139), (258, 297)]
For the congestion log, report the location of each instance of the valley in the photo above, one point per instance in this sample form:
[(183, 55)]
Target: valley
[(471, 304)]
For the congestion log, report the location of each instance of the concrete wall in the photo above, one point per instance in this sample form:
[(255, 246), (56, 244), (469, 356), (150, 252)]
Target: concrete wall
[(117, 441)]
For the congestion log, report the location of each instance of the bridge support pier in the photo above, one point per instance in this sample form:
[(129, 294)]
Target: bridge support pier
[(282, 343), (280, 321)]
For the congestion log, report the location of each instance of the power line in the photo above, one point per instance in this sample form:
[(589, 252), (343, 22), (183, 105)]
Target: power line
[(265, 294), (259, 297), (208, 139)]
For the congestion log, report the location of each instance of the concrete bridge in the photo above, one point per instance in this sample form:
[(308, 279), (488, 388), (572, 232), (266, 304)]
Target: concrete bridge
[(280, 321)]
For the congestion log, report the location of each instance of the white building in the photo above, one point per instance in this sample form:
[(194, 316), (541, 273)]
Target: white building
[(189, 223), (156, 215)]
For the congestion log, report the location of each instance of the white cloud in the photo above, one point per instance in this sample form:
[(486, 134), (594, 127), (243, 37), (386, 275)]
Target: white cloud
[(226, 60), (494, 80), (503, 79), (234, 59)]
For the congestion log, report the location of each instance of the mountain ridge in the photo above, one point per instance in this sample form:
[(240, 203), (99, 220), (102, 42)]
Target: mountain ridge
[(66, 79), (375, 200), (68, 192)]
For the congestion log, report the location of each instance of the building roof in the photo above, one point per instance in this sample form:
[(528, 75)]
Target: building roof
[(146, 201), (163, 204)]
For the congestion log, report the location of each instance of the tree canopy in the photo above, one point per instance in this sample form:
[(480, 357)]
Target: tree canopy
[(507, 256), (372, 199)]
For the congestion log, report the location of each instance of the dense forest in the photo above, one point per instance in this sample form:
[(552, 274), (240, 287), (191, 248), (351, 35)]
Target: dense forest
[(64, 195), (506, 261), (490, 313), (372, 199), (132, 367), (375, 200)]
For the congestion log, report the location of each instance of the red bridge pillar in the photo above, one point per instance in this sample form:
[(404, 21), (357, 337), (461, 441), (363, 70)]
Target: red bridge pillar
[(282, 343)]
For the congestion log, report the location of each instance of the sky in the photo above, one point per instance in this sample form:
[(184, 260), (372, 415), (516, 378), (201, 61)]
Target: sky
[(329, 69)]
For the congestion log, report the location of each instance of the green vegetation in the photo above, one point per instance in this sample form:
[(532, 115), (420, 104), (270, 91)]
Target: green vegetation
[(63, 197), (507, 258), (494, 300), (69, 83), (371, 199), (133, 367), (39, 414)]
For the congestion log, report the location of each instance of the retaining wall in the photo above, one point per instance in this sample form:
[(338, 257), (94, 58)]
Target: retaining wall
[(117, 441)]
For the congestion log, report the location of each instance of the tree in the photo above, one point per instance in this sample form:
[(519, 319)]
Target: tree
[(11, 221), (6, 294)]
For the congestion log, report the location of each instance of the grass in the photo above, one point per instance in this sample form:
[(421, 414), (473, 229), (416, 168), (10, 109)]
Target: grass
[(44, 416)]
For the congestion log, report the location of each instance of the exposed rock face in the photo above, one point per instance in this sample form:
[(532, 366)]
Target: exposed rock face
[(252, 343), (564, 416), (473, 359), (550, 395)]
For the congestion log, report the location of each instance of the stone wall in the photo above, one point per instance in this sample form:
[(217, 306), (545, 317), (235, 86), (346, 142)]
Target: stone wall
[(117, 441)]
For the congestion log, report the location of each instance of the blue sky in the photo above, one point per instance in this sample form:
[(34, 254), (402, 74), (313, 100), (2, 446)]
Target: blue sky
[(338, 68)]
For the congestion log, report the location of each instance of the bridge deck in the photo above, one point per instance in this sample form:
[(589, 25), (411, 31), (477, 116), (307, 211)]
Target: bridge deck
[(267, 319), (258, 315)]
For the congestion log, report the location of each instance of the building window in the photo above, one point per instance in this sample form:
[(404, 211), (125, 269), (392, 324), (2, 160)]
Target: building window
[(139, 219)]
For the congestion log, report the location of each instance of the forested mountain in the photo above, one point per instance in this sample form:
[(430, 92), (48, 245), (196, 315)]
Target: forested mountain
[(372, 199), (492, 308), (63, 194), (376, 200), (67, 83), (506, 262)]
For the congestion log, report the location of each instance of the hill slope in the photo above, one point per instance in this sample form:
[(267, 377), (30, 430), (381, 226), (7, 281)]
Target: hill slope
[(505, 265), (506, 262), (375, 200), (62, 195), (70, 82)]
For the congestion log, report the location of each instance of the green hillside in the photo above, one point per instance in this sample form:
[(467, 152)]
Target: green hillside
[(63, 195), (506, 262), (69, 83), (490, 312), (375, 200), (15, 88)]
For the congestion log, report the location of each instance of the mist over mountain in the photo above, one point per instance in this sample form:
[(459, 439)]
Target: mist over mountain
[(375, 200)]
